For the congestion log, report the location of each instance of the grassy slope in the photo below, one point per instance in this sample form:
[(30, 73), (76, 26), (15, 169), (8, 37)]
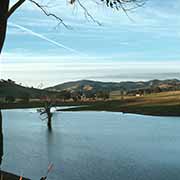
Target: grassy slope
[(161, 104)]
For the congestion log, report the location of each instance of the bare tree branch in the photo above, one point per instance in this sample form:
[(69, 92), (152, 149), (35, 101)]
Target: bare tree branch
[(42, 8), (14, 7), (125, 5), (87, 13)]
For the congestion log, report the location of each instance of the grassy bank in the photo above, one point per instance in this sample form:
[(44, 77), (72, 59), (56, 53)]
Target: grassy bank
[(21, 105), (159, 104)]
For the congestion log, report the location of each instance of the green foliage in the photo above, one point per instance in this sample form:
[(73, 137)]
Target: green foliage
[(25, 97), (103, 94), (10, 99), (65, 95)]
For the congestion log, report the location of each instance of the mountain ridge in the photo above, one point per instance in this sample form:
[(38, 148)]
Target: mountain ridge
[(10, 88), (90, 85)]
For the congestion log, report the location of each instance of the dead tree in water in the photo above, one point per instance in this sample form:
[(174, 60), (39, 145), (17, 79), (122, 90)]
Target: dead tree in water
[(47, 111)]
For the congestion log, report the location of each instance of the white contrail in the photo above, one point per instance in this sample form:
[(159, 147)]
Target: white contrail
[(43, 37)]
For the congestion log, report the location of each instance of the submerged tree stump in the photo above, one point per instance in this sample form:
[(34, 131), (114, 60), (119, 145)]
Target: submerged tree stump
[(47, 111), (49, 117)]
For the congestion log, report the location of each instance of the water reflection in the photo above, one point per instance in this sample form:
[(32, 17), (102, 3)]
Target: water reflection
[(49, 143), (92, 145)]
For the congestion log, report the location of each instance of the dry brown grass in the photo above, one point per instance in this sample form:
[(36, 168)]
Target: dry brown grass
[(163, 98)]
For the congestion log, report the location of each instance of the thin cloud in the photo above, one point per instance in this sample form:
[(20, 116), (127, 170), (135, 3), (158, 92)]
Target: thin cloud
[(44, 38)]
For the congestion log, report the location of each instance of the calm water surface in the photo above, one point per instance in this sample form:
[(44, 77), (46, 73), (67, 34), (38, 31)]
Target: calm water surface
[(92, 146)]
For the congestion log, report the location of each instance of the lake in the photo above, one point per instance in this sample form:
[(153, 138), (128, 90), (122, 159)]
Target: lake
[(92, 146)]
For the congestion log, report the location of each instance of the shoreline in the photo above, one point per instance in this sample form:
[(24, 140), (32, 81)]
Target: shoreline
[(126, 106), (149, 111), (157, 104)]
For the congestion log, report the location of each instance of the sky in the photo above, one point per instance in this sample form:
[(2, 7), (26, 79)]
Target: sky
[(143, 47)]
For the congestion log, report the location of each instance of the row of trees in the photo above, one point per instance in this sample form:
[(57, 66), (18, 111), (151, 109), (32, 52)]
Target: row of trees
[(150, 90), (11, 99), (63, 96), (77, 96)]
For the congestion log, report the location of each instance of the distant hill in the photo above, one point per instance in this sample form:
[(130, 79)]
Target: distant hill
[(10, 88), (95, 86)]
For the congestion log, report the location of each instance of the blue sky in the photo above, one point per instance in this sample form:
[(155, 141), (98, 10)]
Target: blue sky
[(38, 51)]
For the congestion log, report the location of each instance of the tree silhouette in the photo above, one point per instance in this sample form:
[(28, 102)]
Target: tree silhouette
[(6, 11), (1, 139), (47, 111)]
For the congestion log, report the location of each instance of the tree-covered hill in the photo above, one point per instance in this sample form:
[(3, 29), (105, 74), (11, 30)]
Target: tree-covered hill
[(10, 88), (96, 86)]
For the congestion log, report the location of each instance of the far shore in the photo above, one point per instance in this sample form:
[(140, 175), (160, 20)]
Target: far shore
[(159, 104), (152, 110)]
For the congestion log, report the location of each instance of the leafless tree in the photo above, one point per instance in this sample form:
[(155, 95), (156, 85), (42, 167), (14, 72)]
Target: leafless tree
[(6, 12), (46, 110)]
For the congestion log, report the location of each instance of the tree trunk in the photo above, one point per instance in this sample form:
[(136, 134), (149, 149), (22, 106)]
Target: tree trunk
[(3, 27), (1, 138), (49, 124), (49, 115), (4, 6)]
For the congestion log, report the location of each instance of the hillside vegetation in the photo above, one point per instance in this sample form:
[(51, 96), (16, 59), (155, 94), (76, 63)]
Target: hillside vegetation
[(158, 104), (164, 102), (10, 88), (95, 86)]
